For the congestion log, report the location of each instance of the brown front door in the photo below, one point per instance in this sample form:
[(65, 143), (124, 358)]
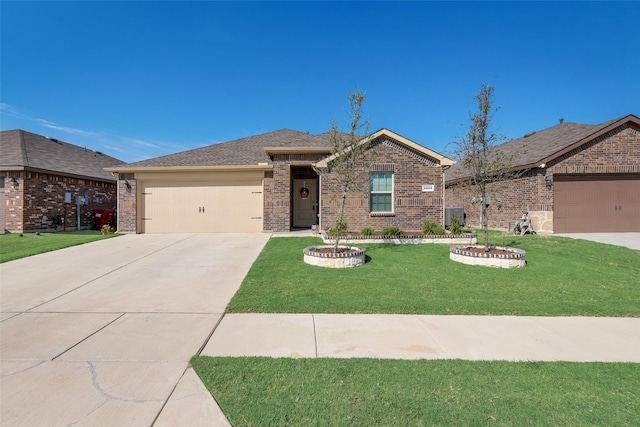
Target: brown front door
[(596, 203), (304, 208)]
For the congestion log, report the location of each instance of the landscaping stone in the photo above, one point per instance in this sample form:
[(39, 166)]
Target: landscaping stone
[(413, 239), (323, 256), (496, 257)]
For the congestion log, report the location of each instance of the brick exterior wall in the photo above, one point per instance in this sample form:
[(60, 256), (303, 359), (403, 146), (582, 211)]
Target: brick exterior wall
[(127, 204), (617, 151), (411, 206), (39, 196), (277, 190), (508, 200)]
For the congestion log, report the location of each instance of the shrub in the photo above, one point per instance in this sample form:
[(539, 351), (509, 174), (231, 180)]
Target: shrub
[(430, 227), (106, 229), (338, 229), (455, 227), (392, 230), (367, 231)]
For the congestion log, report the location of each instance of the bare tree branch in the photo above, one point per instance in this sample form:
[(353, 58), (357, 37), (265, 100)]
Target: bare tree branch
[(347, 149), (480, 161)]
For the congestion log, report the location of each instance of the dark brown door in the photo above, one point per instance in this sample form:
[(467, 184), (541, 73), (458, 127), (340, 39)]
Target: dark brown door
[(596, 203)]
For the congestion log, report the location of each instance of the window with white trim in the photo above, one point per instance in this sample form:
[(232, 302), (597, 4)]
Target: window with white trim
[(381, 192)]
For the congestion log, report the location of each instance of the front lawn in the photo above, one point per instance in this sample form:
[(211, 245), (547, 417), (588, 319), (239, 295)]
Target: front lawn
[(374, 392), (14, 246), (563, 277)]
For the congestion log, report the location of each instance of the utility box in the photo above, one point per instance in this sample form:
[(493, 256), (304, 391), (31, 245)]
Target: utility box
[(449, 213)]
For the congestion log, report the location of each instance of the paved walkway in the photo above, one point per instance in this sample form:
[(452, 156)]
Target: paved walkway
[(580, 339), (629, 240), (101, 334)]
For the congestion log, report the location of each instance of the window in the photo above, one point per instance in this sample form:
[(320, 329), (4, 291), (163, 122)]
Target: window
[(381, 192)]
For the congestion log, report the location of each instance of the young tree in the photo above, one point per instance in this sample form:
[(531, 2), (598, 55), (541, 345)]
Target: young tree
[(347, 149), (480, 162)]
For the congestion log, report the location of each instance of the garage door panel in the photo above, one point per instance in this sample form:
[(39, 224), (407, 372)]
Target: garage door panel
[(203, 207), (596, 203), (238, 208)]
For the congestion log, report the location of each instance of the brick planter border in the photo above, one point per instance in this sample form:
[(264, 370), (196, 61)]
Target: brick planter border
[(515, 258), (449, 239), (330, 260)]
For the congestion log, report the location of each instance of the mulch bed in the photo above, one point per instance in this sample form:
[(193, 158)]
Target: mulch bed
[(341, 250), (492, 250)]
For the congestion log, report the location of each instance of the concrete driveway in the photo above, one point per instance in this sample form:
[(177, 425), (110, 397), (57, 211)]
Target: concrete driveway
[(101, 334), (629, 240)]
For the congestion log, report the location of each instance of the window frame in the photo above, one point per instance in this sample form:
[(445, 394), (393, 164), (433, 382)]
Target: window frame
[(389, 192)]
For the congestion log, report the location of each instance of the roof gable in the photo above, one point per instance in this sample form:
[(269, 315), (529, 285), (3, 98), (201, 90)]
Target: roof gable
[(22, 150), (439, 158), (540, 147)]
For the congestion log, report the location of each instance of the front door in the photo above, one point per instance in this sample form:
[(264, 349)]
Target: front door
[(304, 208)]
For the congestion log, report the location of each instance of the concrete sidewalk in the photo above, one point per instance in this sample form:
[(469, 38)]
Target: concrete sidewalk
[(579, 339)]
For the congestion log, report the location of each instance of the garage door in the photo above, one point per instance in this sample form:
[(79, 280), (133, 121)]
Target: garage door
[(596, 203), (202, 207)]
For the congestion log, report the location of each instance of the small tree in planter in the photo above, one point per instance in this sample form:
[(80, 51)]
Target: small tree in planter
[(481, 163), (347, 149)]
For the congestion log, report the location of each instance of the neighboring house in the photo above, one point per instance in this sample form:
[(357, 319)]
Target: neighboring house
[(268, 182), (41, 178), (574, 178)]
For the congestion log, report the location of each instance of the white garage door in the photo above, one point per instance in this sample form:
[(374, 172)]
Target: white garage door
[(202, 207)]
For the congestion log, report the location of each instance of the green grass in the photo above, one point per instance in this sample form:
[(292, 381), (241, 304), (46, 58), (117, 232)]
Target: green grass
[(563, 277), (12, 246), (370, 392)]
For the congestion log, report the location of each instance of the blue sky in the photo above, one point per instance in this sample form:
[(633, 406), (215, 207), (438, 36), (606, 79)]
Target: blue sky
[(143, 79)]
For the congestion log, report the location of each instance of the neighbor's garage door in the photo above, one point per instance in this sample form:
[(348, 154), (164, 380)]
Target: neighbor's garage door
[(596, 203), (204, 207)]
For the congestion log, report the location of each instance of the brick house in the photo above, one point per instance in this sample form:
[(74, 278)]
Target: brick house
[(572, 178), (41, 178), (269, 182)]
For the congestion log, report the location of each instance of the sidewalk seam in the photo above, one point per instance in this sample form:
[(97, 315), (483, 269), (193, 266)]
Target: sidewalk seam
[(315, 336), (89, 336), (206, 341), (426, 328)]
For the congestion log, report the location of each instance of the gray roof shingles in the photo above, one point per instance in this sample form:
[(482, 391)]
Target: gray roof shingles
[(538, 146), (239, 152), (21, 149)]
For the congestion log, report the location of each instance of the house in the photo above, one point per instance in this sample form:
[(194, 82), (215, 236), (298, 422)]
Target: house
[(42, 179), (571, 178), (268, 182)]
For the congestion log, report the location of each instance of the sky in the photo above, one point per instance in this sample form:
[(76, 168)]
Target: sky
[(137, 80)]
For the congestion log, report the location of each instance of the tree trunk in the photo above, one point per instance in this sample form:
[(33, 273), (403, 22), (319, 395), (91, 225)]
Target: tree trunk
[(339, 221), (485, 225)]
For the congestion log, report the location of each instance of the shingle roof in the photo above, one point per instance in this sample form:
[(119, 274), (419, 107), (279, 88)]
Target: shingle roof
[(239, 152), (543, 145), (25, 150)]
